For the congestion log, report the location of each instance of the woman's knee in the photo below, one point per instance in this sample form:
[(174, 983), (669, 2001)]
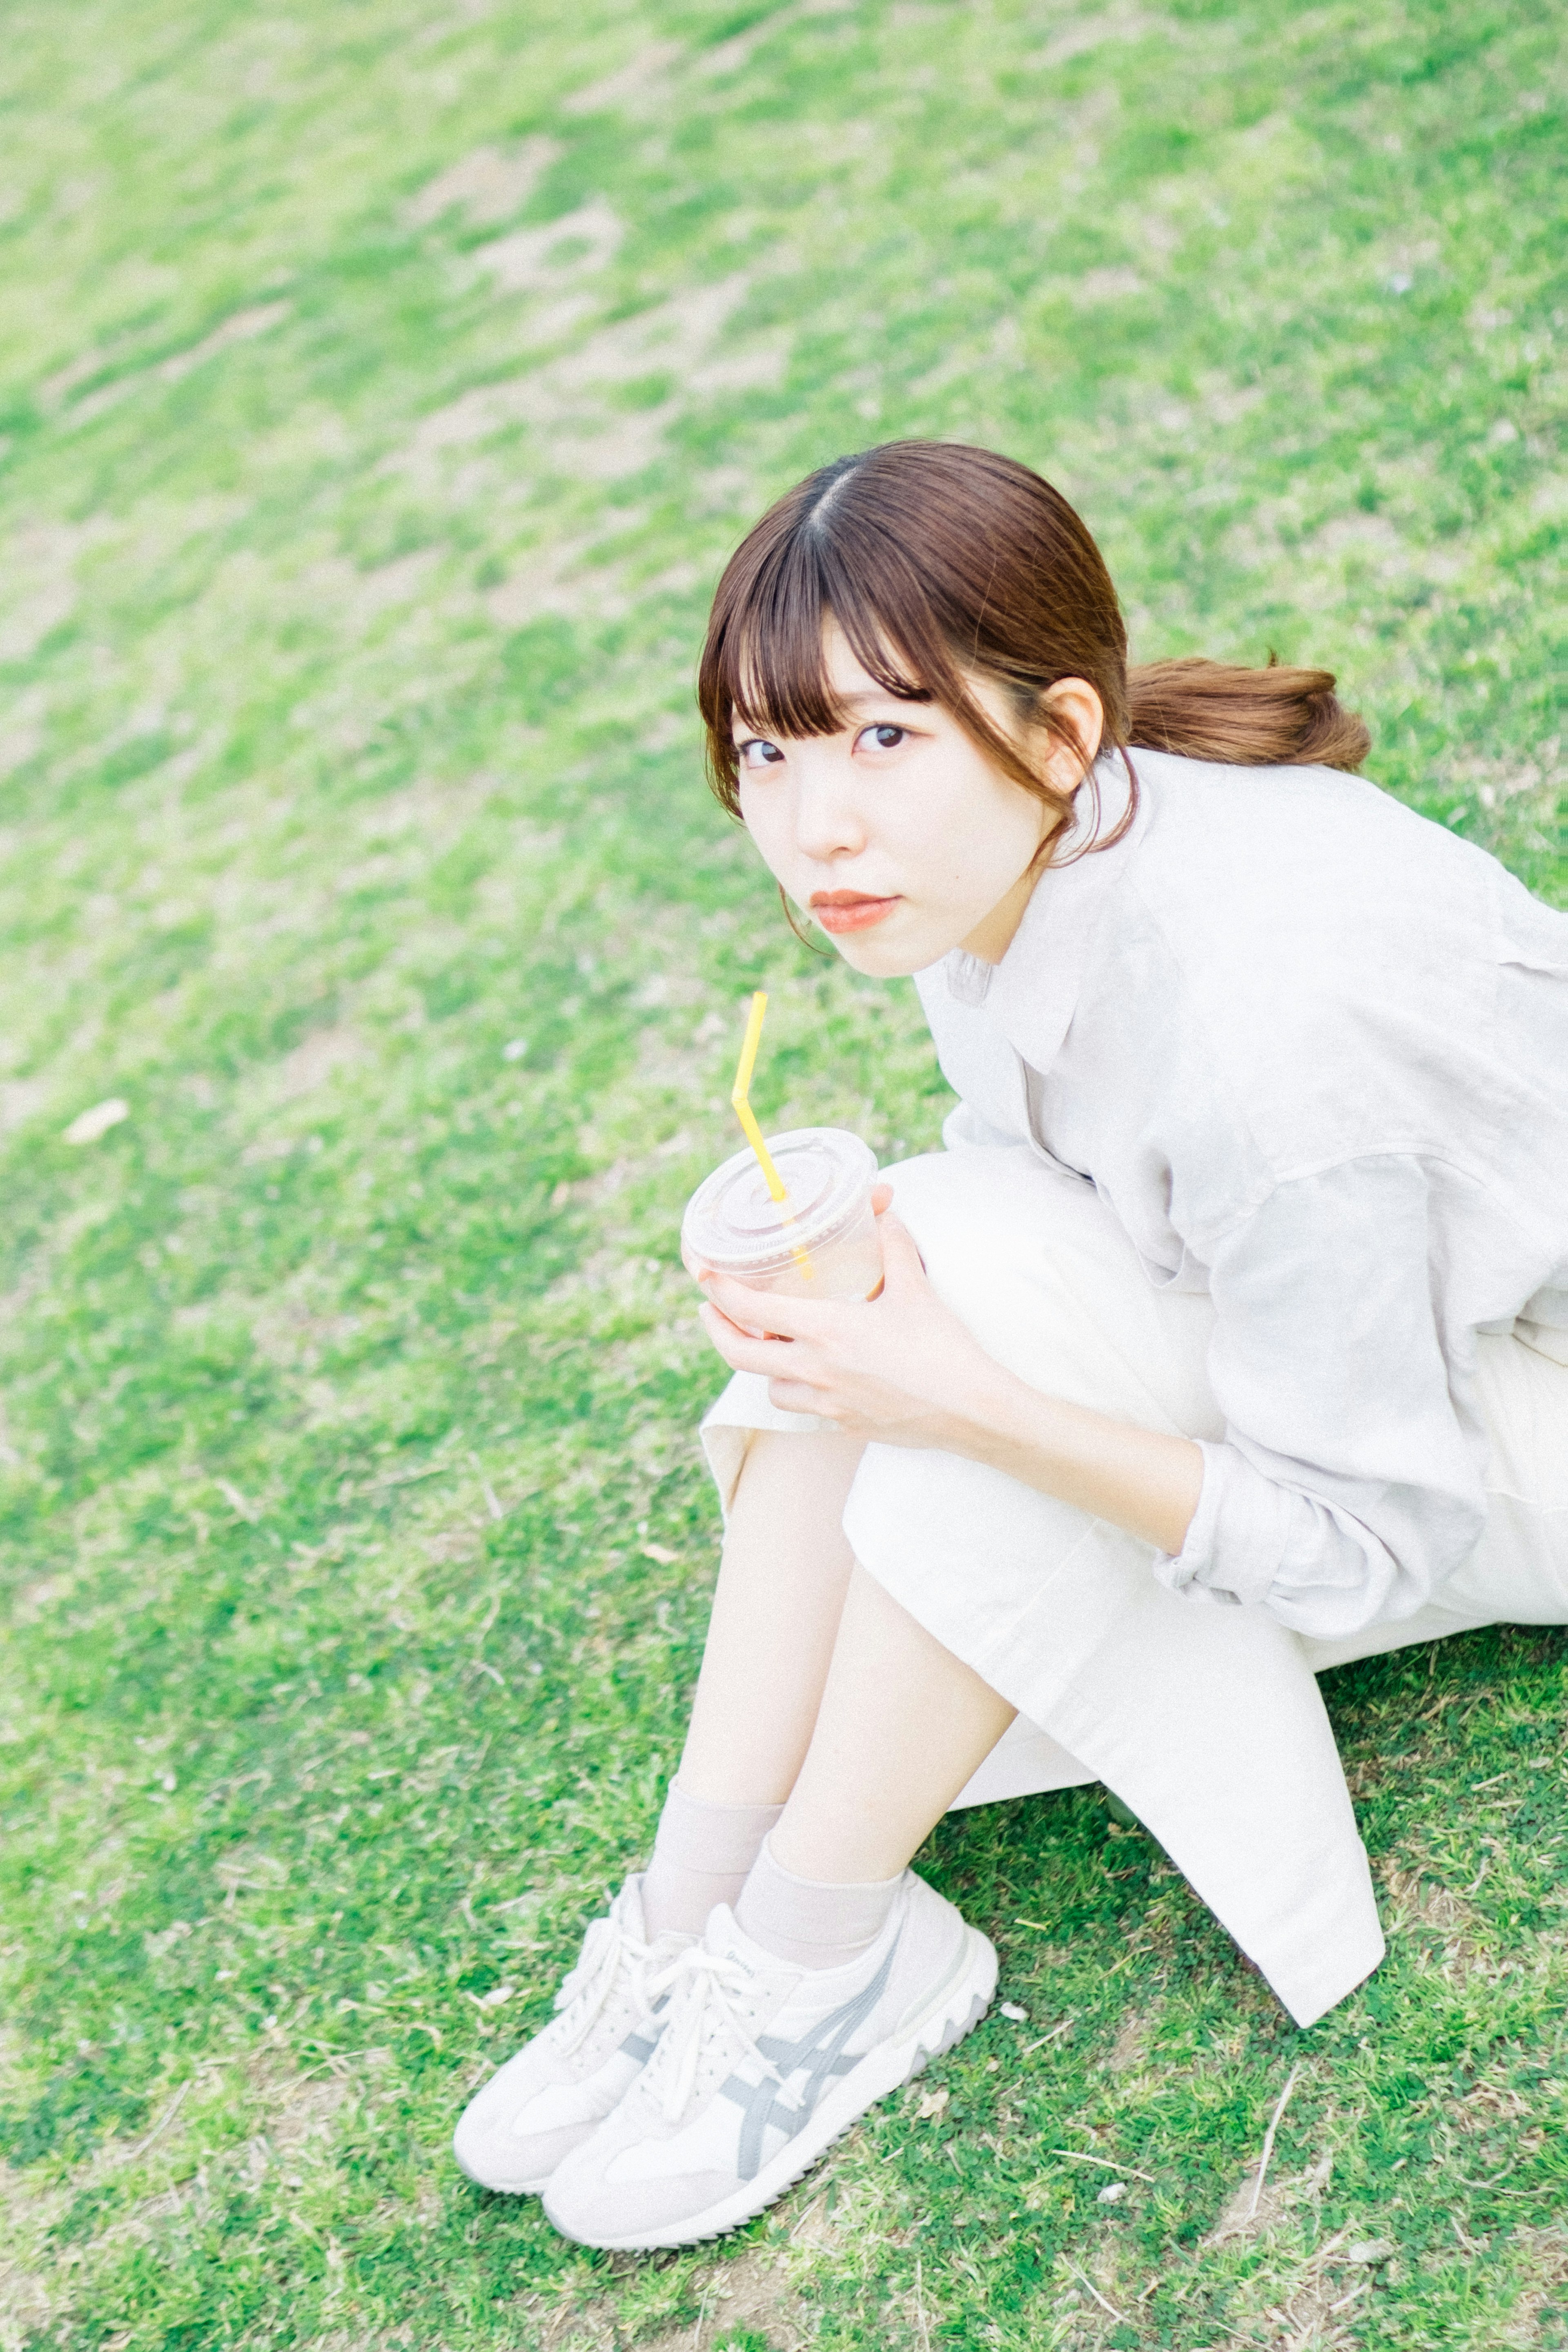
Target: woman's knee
[(786, 1478), (1044, 1277), (987, 1219)]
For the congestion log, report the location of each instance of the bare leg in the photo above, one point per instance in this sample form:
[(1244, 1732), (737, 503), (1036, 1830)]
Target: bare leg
[(775, 1614), (902, 1726)]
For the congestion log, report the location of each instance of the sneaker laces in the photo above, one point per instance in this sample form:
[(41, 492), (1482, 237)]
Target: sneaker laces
[(704, 2003), (607, 1951)]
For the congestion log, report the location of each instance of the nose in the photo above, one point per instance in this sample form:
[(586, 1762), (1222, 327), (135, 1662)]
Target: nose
[(829, 823)]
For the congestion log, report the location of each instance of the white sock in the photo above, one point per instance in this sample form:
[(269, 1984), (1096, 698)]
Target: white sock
[(701, 1854), (811, 1921)]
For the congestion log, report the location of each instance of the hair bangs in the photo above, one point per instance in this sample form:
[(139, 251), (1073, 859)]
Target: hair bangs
[(775, 662), (766, 662)]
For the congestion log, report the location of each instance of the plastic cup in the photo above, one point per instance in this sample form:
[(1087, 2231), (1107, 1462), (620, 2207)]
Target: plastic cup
[(819, 1242)]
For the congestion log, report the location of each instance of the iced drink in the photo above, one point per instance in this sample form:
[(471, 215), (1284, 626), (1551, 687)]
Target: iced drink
[(819, 1243)]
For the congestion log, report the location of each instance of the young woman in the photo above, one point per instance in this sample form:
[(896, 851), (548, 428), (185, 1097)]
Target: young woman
[(1227, 1341)]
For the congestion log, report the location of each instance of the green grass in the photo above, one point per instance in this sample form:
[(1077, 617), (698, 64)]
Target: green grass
[(353, 553)]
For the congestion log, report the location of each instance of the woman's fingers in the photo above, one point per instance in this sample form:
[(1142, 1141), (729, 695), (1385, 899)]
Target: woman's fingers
[(794, 1396), (744, 1352), (804, 1318), (791, 1319), (901, 1253)]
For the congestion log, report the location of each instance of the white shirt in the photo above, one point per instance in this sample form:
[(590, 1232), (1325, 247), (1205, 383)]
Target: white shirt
[(1313, 1052)]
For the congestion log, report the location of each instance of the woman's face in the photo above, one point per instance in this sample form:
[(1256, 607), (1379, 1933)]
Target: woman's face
[(898, 834)]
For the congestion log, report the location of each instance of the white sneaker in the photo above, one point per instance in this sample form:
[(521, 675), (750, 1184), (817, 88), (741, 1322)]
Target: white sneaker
[(759, 2066), (561, 2086)]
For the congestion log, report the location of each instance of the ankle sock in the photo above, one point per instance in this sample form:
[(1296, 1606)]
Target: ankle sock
[(701, 1854), (811, 1921)]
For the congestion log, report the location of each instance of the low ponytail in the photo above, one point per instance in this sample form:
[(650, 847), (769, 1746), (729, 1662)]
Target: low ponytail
[(1273, 718)]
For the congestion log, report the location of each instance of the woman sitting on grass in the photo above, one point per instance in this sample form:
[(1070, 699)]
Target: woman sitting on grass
[(1227, 1341)]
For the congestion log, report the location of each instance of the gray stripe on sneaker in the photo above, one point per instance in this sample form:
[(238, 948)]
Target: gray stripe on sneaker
[(641, 2046), (820, 2053)]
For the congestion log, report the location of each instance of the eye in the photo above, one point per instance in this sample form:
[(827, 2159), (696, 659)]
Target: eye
[(883, 737), (757, 753)]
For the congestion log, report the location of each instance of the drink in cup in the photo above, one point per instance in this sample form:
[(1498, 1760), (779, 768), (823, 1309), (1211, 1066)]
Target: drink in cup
[(819, 1242)]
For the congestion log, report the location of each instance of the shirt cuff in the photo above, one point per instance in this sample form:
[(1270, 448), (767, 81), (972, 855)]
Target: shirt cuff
[(1237, 1537)]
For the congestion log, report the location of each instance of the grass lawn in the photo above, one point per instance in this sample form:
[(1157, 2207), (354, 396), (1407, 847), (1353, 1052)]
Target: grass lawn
[(381, 385)]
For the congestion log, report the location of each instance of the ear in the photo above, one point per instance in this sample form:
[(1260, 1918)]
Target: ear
[(1075, 716)]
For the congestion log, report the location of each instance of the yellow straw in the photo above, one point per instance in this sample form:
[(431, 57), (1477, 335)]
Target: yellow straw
[(740, 1094)]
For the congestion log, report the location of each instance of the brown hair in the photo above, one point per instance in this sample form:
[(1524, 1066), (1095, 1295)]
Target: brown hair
[(935, 560)]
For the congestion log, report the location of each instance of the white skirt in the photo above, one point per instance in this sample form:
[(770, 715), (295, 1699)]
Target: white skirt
[(1205, 1720)]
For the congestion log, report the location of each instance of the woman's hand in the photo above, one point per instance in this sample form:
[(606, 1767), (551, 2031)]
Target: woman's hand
[(899, 1368)]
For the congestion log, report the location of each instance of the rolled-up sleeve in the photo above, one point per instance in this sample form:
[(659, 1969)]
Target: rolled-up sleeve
[(1348, 1485)]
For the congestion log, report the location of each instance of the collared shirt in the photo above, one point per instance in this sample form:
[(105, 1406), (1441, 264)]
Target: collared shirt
[(1313, 1052)]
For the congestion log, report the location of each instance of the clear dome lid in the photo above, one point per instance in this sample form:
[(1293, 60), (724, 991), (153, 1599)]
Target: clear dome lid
[(734, 1225)]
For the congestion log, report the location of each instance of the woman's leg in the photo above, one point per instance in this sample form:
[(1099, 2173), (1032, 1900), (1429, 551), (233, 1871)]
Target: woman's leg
[(887, 1726), (775, 1617), (828, 1988), (769, 1640), (902, 1726), (818, 1688), (1206, 1720)]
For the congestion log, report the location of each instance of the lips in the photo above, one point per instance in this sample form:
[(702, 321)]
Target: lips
[(849, 910)]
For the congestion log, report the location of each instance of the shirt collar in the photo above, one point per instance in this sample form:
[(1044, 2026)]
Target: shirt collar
[(1031, 994)]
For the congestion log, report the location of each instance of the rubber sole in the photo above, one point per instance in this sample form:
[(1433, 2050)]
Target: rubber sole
[(956, 2010), (505, 2188)]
